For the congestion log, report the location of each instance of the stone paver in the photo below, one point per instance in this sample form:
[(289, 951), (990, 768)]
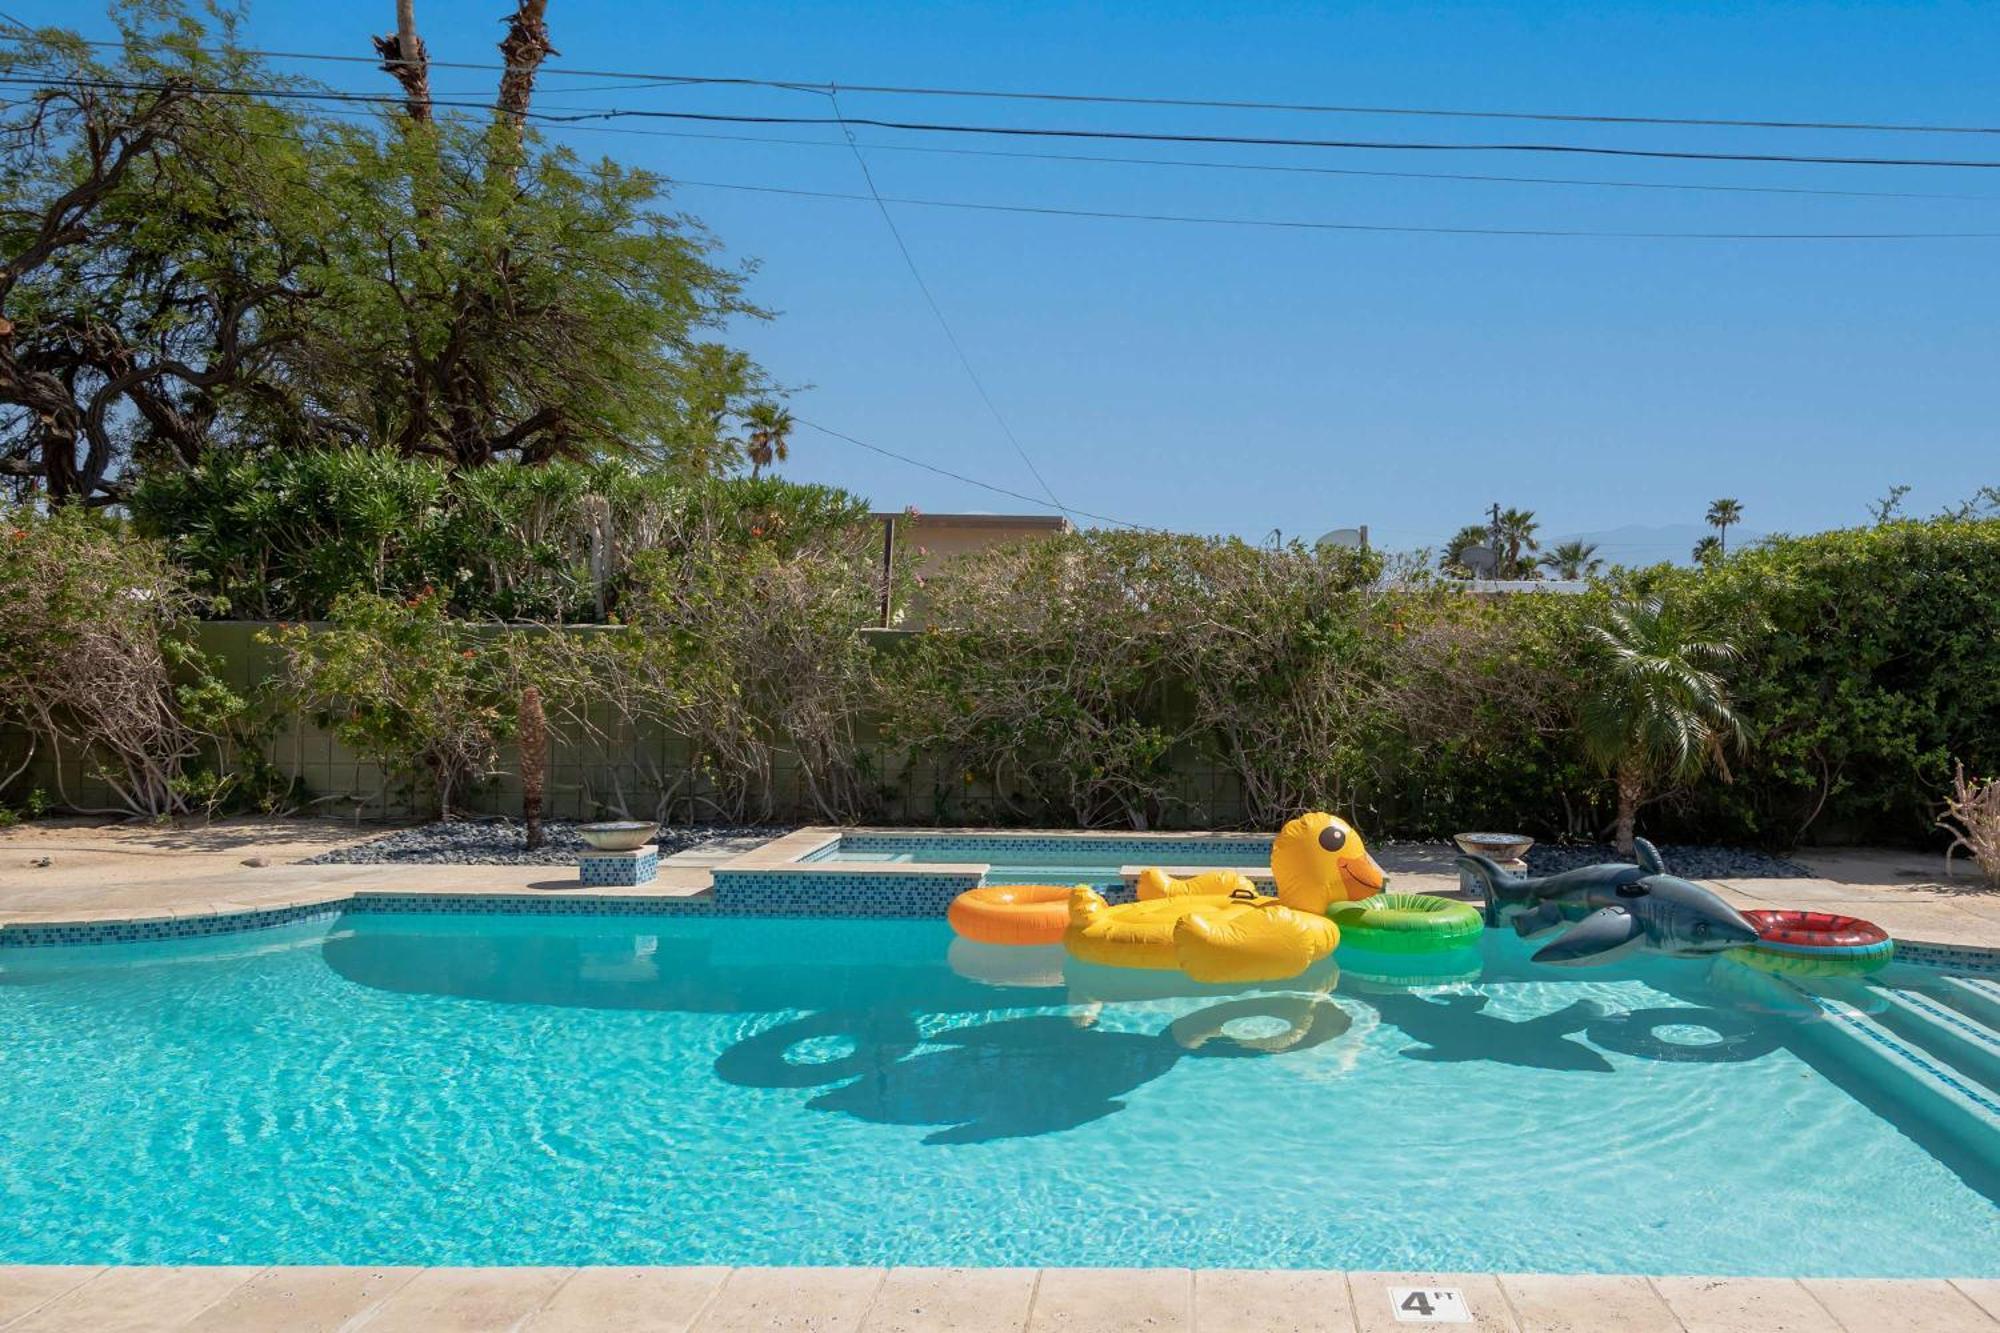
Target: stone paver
[(1113, 1300), (808, 1300), (975, 1300), (303, 1300), (1595, 1304), (1985, 1292), (467, 1300), (1373, 1313), (25, 1290), (630, 1300), (1863, 1305), (1272, 1300), (1744, 1305), (135, 1300)]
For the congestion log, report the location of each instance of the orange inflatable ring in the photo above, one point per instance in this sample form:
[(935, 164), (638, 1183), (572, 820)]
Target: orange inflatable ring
[(1011, 914)]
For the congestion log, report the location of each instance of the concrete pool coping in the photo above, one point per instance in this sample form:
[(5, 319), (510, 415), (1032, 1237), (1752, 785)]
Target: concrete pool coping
[(965, 1300), (1950, 916)]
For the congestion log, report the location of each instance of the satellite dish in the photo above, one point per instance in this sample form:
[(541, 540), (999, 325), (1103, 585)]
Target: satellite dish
[(1348, 537), (1481, 560)]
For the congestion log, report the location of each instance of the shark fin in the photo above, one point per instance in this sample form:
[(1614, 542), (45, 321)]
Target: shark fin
[(1648, 857), (1538, 922), (1598, 938), (1495, 884)]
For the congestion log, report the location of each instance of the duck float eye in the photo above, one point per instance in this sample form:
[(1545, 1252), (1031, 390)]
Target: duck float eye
[(1333, 837)]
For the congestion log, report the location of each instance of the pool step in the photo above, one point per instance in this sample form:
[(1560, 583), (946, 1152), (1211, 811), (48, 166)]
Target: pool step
[(1946, 1033), (1978, 998), (1951, 1100)]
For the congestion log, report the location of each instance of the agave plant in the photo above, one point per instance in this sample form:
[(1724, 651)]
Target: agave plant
[(1659, 710)]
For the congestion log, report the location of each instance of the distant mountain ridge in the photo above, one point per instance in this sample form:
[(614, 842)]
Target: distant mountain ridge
[(1649, 543)]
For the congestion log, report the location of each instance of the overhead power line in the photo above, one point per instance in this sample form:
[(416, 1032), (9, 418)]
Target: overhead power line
[(1045, 132), (969, 481), (937, 311), (1295, 169), (1302, 224), (1194, 103)]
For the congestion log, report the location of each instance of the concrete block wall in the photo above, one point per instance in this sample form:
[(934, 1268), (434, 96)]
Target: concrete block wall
[(586, 778)]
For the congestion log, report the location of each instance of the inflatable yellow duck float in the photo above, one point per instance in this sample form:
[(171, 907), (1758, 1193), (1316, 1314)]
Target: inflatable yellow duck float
[(1217, 928)]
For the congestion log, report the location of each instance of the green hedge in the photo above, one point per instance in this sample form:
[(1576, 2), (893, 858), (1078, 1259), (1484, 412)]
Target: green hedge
[(283, 536)]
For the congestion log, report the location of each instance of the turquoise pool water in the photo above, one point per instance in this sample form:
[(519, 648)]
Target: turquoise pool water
[(499, 1090)]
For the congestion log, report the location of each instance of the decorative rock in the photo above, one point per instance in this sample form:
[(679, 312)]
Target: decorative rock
[(503, 842)]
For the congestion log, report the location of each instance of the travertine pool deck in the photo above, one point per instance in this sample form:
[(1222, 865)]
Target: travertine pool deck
[(965, 1300), (99, 873)]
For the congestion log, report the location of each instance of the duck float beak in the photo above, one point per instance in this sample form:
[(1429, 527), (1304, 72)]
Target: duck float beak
[(1364, 877)]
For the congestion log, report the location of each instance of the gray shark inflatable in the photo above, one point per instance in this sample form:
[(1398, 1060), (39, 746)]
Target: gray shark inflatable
[(1611, 910)]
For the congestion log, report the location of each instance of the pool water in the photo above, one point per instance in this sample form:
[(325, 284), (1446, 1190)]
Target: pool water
[(510, 1090)]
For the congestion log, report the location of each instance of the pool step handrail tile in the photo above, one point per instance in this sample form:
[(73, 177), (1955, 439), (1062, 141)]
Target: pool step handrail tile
[(1975, 997), (1968, 1045), (1958, 1107)]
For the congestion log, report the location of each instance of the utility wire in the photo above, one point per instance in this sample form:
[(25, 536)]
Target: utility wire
[(1293, 169), (1038, 132), (938, 311), (970, 481), (1300, 224), (1110, 99)]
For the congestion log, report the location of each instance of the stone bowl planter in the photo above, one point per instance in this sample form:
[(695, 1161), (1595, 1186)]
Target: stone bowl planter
[(620, 835), (1501, 847)]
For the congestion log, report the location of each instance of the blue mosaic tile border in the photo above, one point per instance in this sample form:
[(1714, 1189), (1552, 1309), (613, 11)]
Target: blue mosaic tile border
[(1869, 1030), (553, 903), (802, 893), (1950, 957), (1130, 848), (626, 870), (164, 928)]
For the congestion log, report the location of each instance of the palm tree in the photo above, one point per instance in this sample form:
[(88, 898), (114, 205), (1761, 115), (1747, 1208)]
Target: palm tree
[(1658, 710), (1721, 514), (1572, 560), (1517, 535), (1707, 550), (770, 435)]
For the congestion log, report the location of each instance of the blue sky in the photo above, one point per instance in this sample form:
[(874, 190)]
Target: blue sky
[(1241, 380)]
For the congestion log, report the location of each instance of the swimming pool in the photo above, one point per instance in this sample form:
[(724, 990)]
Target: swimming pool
[(663, 1090)]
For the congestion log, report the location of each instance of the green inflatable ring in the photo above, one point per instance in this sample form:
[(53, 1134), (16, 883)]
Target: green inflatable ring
[(1408, 923)]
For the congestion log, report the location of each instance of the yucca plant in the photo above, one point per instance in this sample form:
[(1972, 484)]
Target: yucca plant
[(1658, 710)]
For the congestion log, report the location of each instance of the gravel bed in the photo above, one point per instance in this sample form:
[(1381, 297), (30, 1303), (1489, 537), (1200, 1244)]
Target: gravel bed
[(1687, 862), (502, 842)]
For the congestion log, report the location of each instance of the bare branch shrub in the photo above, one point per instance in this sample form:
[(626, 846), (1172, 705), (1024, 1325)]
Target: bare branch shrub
[(1972, 817), (92, 626)]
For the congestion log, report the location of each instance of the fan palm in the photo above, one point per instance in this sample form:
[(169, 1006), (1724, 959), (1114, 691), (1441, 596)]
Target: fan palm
[(1707, 549), (1659, 710), (770, 438), (1721, 514), (1573, 560), (1517, 536)]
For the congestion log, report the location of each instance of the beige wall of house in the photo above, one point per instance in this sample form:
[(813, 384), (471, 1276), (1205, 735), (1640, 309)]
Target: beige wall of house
[(930, 541)]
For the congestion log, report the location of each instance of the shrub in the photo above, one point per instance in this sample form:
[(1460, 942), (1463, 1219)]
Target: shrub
[(286, 535), (1869, 661), (753, 654), (1972, 818), (95, 665), (404, 685)]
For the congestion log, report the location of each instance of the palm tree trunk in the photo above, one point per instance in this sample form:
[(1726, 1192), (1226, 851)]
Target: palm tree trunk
[(1630, 790)]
